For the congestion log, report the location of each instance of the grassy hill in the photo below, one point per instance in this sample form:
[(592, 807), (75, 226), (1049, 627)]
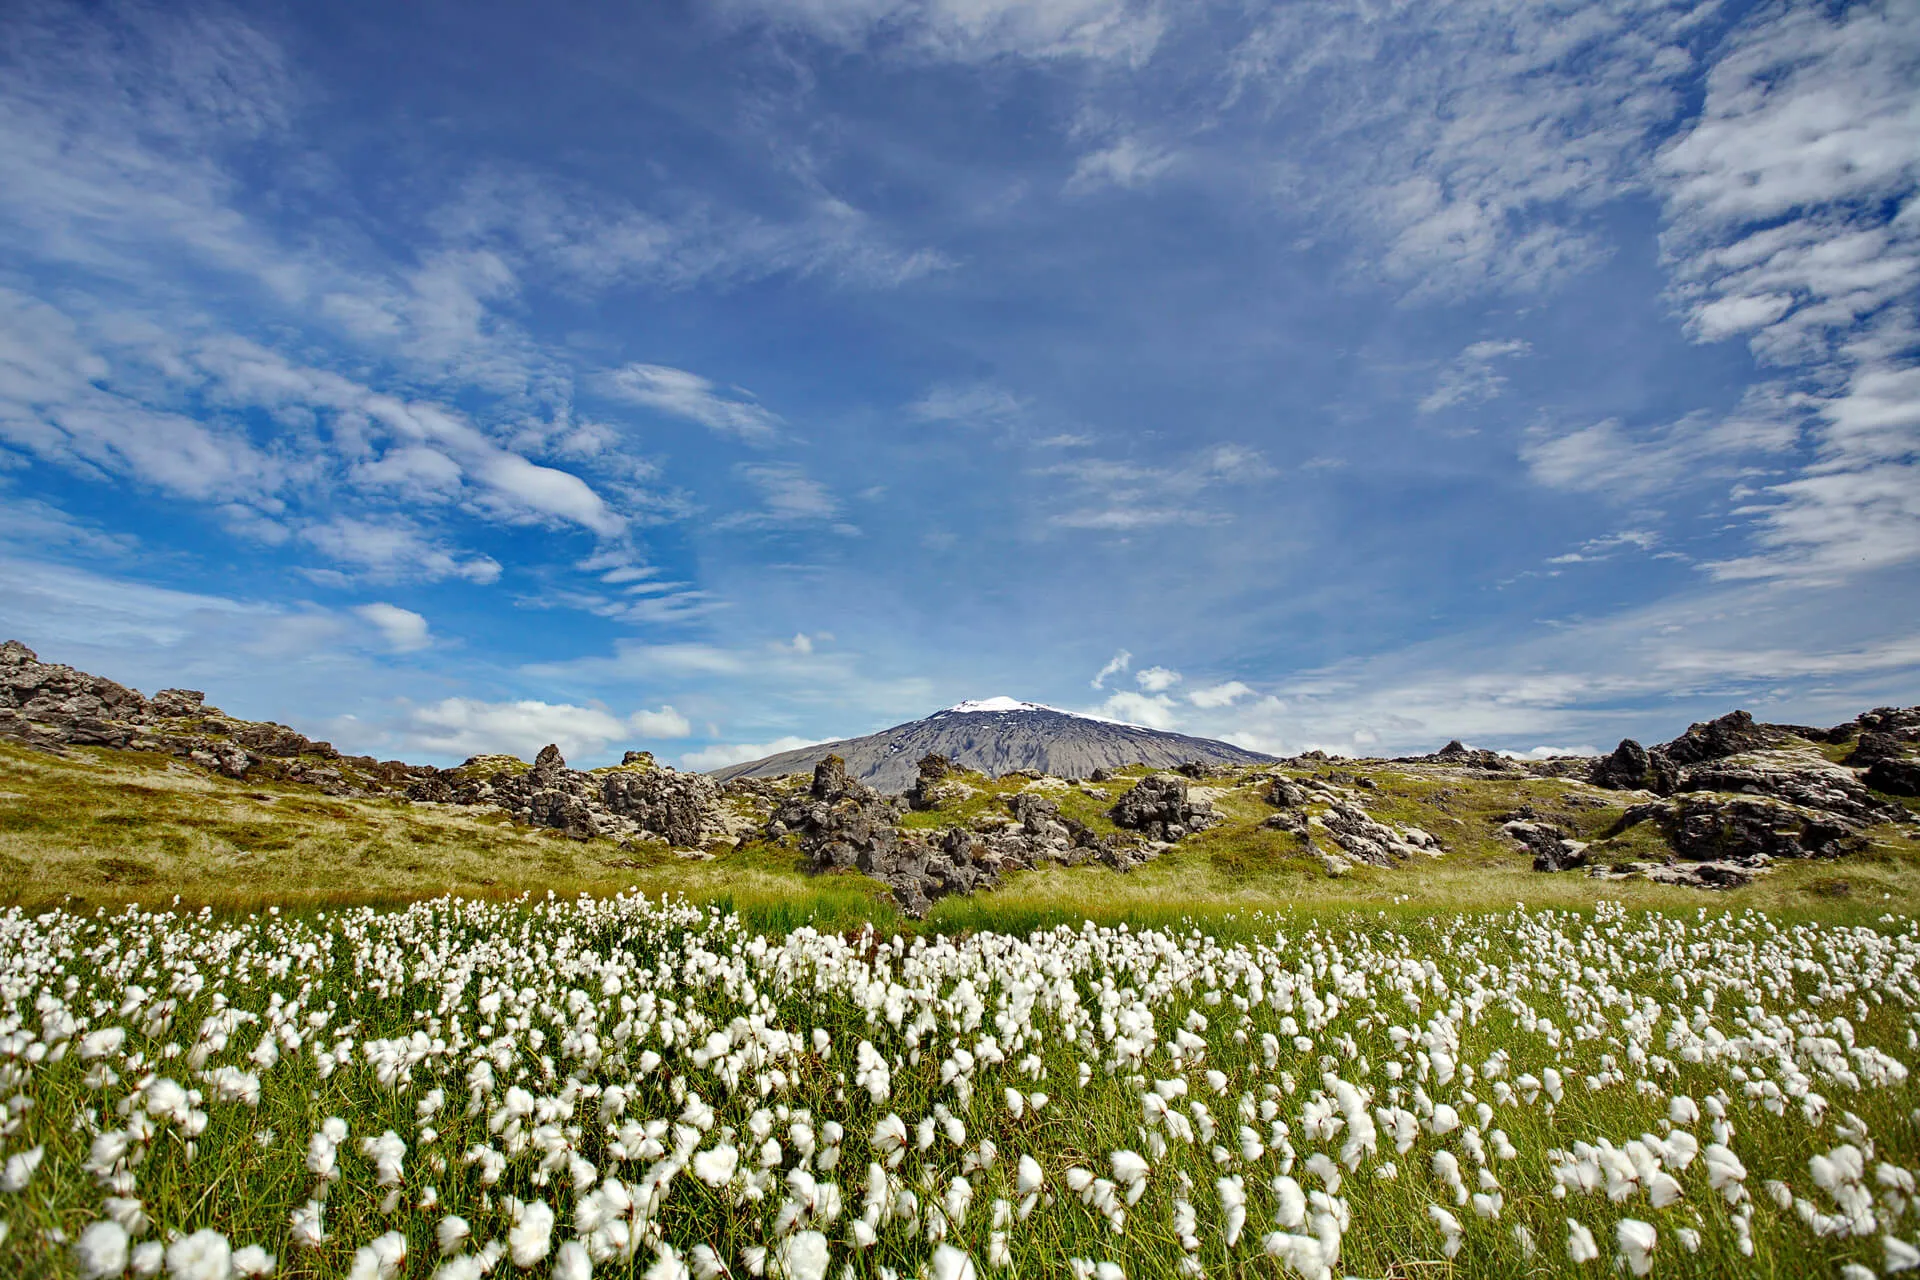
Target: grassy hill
[(98, 826)]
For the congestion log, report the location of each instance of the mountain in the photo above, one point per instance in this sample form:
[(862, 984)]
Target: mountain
[(996, 736)]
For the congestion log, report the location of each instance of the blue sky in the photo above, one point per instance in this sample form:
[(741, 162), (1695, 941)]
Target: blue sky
[(722, 375)]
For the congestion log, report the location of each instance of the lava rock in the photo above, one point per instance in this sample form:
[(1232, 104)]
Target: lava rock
[(1730, 735), (1741, 829), (1894, 777), (1552, 848), (1158, 807), (1284, 793), (1632, 768), (1802, 777), (1875, 745), (1372, 842)]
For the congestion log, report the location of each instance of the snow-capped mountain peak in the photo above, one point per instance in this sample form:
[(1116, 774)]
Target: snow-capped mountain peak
[(1001, 704)]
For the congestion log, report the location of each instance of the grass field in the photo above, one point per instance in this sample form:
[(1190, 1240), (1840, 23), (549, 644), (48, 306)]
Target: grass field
[(1226, 1062)]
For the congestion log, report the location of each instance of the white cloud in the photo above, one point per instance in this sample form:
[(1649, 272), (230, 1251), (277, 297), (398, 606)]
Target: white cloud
[(1794, 218), (404, 630), (1122, 31), (720, 755), (1123, 496), (1466, 145), (1604, 547), (1609, 458), (471, 726), (1219, 695), (690, 396), (977, 404), (1116, 665), (593, 241), (1548, 753), (789, 498), (664, 723), (1471, 378), (1154, 711), (1156, 679), (30, 524), (1642, 672), (759, 688), (1128, 163), (395, 550), (53, 406), (58, 400)]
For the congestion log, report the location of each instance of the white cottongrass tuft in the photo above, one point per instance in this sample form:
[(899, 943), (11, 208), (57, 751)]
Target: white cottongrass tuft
[(101, 1250)]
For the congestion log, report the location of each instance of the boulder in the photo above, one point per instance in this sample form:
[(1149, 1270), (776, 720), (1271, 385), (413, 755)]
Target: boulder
[(1632, 768), (1875, 744), (930, 789), (1284, 793), (1691, 875), (1372, 842), (1894, 777), (1552, 848), (1158, 807), (680, 808), (830, 781), (179, 704)]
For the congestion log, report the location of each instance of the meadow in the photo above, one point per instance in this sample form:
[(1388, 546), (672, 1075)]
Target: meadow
[(626, 1085), (248, 1029)]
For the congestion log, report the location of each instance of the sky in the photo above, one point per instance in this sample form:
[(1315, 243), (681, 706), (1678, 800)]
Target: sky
[(717, 376)]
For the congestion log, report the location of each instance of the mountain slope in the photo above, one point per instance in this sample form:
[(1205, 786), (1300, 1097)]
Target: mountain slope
[(996, 736)]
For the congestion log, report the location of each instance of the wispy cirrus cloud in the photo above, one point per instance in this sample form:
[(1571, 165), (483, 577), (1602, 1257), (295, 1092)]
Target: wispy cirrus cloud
[(694, 398), (1794, 218), (1122, 496), (790, 498), (1472, 378), (1119, 31)]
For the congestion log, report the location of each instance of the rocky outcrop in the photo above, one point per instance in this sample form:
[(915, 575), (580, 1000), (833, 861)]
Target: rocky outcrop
[(51, 706), (1632, 767), (1875, 745), (1730, 735), (1366, 840), (844, 824), (1353, 834), (1552, 848), (1159, 807), (936, 784), (1690, 875), (1284, 793), (1802, 777), (1894, 777), (632, 802), (1743, 830)]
